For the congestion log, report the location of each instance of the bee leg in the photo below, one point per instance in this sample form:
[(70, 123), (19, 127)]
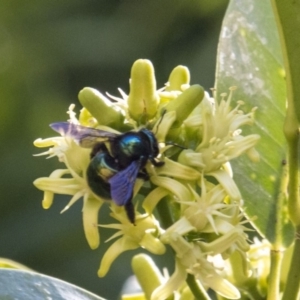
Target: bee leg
[(156, 163), (130, 212), (143, 174)]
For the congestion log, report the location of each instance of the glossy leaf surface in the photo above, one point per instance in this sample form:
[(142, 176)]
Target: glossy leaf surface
[(250, 58), (19, 284)]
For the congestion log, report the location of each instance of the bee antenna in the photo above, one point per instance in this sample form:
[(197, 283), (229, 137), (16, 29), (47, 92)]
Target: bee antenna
[(176, 145)]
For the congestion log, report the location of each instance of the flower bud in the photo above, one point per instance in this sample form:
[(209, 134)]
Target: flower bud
[(144, 268), (100, 107), (185, 103), (178, 77), (142, 99)]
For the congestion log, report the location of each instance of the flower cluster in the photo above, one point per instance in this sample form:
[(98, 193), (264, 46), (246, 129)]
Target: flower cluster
[(190, 203)]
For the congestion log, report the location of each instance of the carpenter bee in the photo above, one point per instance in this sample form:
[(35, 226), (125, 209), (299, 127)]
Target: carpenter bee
[(111, 173)]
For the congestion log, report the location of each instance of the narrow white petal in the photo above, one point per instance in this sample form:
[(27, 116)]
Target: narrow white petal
[(174, 282), (153, 198), (228, 184), (176, 170), (175, 187), (90, 212), (119, 246)]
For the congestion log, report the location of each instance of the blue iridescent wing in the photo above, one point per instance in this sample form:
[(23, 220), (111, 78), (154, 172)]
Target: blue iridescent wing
[(121, 184), (85, 136)]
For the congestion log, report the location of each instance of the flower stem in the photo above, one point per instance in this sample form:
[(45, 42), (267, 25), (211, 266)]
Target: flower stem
[(291, 131), (292, 136), (198, 290), (166, 221), (277, 249), (274, 279), (291, 124), (293, 281)]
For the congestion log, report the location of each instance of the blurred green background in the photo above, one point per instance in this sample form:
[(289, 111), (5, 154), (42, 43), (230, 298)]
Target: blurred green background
[(49, 50)]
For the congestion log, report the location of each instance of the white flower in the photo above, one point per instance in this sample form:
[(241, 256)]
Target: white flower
[(202, 220), (190, 259), (143, 234), (221, 136), (206, 207), (76, 160)]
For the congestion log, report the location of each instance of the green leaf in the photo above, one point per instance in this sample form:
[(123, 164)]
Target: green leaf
[(19, 284), (287, 15), (249, 57)]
